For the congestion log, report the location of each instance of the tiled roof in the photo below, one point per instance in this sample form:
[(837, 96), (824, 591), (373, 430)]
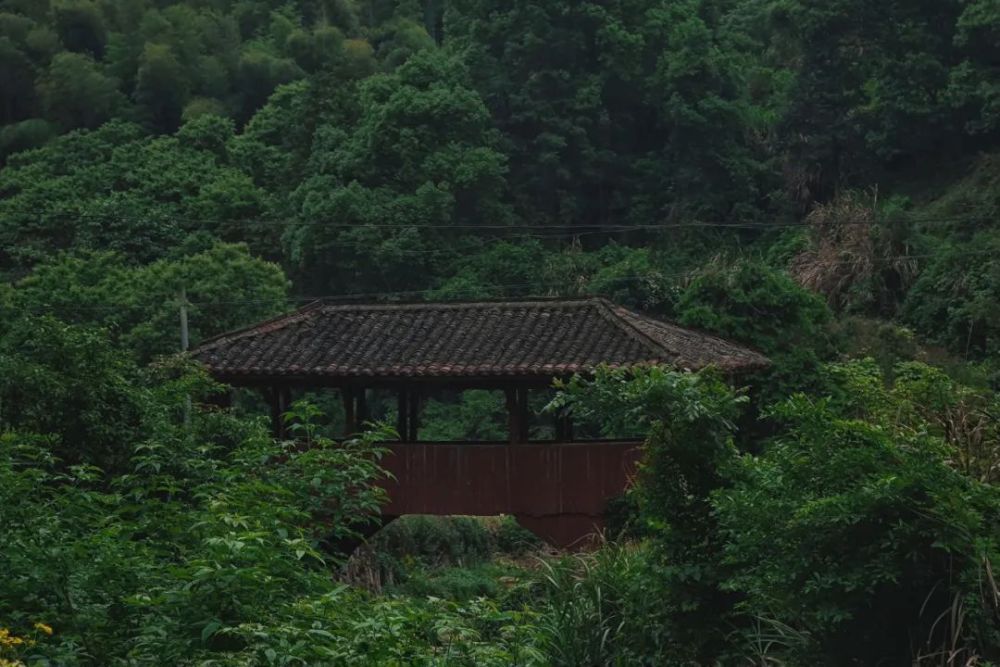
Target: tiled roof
[(537, 338)]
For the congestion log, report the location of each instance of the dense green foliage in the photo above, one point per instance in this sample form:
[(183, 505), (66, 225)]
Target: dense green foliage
[(188, 531), (914, 536), (412, 149), (376, 147), (816, 179), (857, 536)]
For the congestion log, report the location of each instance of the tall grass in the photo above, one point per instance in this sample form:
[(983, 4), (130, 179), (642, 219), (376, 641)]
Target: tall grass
[(594, 608)]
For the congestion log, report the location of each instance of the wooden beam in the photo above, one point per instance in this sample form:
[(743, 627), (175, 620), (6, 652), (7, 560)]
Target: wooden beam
[(393, 382)]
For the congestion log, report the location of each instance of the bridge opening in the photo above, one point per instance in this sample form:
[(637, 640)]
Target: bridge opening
[(417, 552)]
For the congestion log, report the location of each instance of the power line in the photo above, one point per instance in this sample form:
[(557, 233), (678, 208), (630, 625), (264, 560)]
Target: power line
[(345, 296), (612, 227), (648, 276), (568, 229), (544, 233), (385, 294)]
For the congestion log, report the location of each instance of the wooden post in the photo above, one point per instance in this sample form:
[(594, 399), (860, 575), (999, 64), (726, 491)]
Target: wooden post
[(274, 400), (513, 414), (517, 415), (402, 412), (361, 412), (280, 399), (523, 422), (564, 427), (284, 401), (350, 422), (413, 418)]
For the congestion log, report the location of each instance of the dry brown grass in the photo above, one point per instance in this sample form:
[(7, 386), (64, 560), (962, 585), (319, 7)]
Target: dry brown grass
[(851, 258), (951, 647), (972, 427)]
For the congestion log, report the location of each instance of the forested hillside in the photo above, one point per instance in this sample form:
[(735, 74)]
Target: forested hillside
[(612, 147), (817, 179)]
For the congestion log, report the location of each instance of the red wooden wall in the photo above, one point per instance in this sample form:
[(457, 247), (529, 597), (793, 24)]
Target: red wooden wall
[(559, 491)]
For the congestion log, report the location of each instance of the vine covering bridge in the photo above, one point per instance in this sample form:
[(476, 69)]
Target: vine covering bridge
[(557, 488)]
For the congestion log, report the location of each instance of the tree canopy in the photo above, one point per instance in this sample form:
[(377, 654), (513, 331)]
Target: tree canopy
[(816, 179)]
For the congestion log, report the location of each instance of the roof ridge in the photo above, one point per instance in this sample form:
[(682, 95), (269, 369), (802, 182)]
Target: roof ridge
[(609, 310), (461, 305), (242, 332), (704, 333), (749, 351)]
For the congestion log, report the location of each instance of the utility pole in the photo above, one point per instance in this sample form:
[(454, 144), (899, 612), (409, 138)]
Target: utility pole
[(185, 344)]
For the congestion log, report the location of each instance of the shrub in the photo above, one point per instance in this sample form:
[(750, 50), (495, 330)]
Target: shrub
[(447, 556), (954, 301), (67, 381), (514, 539), (211, 526), (862, 534), (764, 308), (435, 540), (859, 544), (689, 418), (453, 583)]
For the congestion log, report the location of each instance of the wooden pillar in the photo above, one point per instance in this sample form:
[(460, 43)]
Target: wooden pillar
[(564, 427), (524, 424), (402, 414), (284, 403), (350, 420), (413, 416), (273, 395), (512, 428), (361, 411), (517, 414), (280, 399)]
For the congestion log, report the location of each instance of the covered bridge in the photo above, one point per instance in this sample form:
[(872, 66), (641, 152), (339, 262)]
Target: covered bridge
[(557, 488)]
